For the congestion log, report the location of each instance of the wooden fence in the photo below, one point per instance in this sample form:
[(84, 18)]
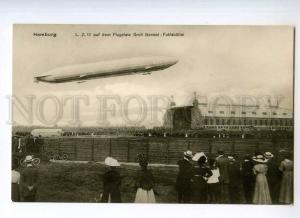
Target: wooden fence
[(158, 150)]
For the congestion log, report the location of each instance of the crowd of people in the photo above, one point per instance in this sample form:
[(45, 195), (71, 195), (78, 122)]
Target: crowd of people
[(258, 179), (223, 179)]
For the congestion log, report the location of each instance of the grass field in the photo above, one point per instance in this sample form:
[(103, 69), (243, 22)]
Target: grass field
[(82, 182)]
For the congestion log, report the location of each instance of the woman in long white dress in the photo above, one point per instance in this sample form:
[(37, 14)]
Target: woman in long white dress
[(261, 191), (144, 183)]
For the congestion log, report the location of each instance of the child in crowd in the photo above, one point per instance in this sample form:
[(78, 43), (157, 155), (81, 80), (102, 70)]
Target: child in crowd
[(213, 182)]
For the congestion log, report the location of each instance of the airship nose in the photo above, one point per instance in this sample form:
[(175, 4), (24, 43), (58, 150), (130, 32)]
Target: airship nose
[(174, 61), (171, 61), (45, 78)]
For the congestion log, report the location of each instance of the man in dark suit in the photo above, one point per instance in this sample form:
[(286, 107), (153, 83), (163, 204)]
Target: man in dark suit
[(273, 176), (248, 178), (236, 189), (223, 163), (183, 181), (29, 181)]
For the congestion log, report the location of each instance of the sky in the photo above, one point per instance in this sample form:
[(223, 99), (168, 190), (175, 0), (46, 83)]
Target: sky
[(230, 61)]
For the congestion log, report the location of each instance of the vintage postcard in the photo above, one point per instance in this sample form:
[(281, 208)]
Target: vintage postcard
[(153, 114)]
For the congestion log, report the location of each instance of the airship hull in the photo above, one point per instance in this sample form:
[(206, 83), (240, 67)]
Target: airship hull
[(106, 69)]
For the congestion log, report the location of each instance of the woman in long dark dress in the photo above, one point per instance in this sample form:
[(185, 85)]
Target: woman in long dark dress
[(199, 181), (144, 183), (111, 182), (286, 188)]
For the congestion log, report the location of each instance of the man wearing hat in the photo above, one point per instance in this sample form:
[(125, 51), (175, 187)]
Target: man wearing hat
[(248, 178), (183, 181), (236, 190), (223, 164), (111, 182), (29, 181), (273, 176)]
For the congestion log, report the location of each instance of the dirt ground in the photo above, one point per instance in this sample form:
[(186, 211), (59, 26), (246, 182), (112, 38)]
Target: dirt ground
[(82, 182)]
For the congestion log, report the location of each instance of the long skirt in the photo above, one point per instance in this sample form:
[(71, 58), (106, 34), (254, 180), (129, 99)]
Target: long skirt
[(144, 196), (199, 191), (286, 189), (113, 196), (261, 191), (224, 193), (15, 193)]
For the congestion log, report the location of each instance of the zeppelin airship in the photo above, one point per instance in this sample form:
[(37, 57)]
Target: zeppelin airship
[(82, 72)]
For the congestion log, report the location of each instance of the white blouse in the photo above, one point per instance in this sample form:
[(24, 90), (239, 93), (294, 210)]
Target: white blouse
[(15, 177), (215, 176)]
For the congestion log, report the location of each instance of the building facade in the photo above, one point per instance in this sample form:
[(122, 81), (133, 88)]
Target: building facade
[(230, 117)]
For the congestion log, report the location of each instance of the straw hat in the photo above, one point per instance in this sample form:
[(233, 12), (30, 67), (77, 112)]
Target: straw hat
[(198, 155), (231, 158), (28, 159), (260, 159), (188, 153), (109, 161), (268, 154)]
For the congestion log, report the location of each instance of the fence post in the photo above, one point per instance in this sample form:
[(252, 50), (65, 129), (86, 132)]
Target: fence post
[(75, 151), (167, 147), (257, 146), (59, 146), (209, 147), (233, 147), (109, 154), (92, 152), (147, 149), (128, 150)]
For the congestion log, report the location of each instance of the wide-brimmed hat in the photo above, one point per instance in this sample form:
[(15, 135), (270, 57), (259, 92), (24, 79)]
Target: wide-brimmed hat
[(282, 151), (188, 153), (28, 159), (268, 154), (231, 158), (109, 161), (260, 159), (197, 156)]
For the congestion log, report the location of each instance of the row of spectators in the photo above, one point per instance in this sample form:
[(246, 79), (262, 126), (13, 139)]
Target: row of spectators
[(161, 132), (261, 179)]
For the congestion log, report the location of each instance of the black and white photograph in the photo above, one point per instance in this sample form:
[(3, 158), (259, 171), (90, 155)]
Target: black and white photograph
[(170, 114)]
